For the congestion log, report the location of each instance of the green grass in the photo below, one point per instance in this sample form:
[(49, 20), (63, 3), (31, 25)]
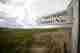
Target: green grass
[(21, 35)]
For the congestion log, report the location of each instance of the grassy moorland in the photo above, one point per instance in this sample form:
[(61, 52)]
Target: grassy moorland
[(18, 40)]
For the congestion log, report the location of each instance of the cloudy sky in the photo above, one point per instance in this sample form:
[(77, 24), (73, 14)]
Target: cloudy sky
[(36, 7), (29, 9)]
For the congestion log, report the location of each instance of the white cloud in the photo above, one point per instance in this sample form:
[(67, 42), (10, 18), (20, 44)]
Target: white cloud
[(32, 8)]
